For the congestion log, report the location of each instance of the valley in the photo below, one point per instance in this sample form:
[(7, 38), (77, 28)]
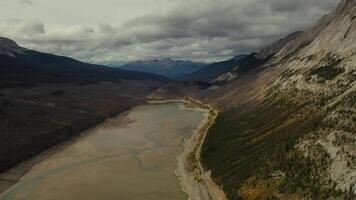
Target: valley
[(273, 123)]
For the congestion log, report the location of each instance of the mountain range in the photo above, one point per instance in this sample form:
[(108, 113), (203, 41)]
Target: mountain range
[(165, 67), (21, 66)]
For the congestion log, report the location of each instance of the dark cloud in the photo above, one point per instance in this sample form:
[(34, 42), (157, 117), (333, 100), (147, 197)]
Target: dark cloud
[(190, 29), (33, 28), (237, 25), (106, 28), (28, 2)]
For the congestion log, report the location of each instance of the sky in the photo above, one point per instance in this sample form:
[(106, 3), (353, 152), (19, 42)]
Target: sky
[(102, 31)]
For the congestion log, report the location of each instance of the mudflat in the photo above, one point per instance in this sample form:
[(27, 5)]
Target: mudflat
[(129, 157)]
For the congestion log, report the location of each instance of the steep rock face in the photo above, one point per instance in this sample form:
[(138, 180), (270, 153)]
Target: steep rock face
[(325, 70), (327, 25), (277, 46)]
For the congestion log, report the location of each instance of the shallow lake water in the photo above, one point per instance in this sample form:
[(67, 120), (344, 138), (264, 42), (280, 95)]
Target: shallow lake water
[(129, 157)]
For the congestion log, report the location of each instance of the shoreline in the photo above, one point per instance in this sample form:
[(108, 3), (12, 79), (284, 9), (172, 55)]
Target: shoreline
[(194, 180)]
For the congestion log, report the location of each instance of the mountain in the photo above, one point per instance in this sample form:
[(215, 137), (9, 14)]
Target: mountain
[(21, 66), (286, 129), (9, 47), (165, 67), (277, 46), (112, 63), (212, 71), (243, 65), (228, 70)]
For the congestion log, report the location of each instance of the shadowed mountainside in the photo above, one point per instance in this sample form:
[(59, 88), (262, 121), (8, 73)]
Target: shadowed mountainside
[(20, 66), (210, 72)]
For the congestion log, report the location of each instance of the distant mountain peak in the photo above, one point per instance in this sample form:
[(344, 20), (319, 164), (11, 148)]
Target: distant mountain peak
[(7, 42), (164, 66), (238, 57), (167, 59), (10, 47)]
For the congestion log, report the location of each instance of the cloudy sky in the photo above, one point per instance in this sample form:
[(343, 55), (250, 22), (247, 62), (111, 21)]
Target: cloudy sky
[(125, 30)]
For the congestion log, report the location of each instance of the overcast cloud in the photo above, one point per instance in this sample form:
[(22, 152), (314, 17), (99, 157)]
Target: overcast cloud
[(125, 30)]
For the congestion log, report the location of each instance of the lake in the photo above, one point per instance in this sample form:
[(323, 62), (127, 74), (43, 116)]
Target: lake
[(129, 157)]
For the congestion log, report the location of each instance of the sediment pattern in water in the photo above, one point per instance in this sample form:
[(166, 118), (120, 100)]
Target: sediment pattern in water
[(128, 158)]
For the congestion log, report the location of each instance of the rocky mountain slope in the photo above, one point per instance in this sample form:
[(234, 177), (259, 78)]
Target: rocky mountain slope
[(286, 129), (166, 67), (277, 46), (325, 70)]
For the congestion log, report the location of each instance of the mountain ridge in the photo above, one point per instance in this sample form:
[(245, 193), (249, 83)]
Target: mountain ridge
[(166, 67), (9, 47), (228, 70), (212, 71), (21, 66)]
